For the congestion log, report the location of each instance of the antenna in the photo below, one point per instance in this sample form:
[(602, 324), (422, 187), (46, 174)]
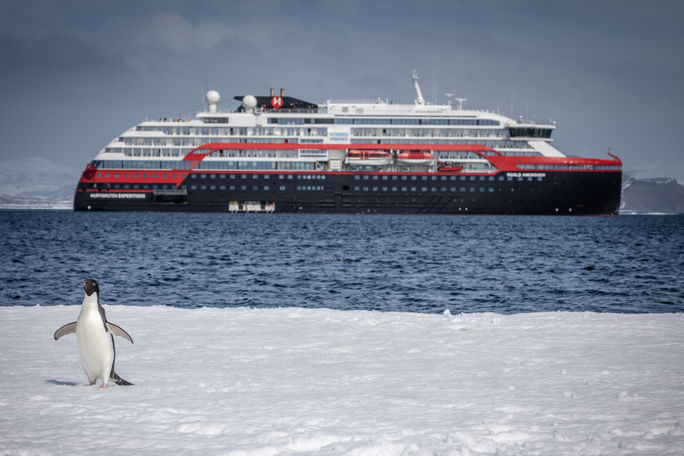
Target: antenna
[(419, 96), (460, 103), (449, 97), (204, 103)]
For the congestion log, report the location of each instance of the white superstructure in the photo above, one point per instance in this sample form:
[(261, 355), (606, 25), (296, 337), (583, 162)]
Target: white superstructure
[(268, 120)]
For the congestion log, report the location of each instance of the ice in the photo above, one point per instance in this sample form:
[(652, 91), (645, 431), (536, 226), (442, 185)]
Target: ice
[(296, 381)]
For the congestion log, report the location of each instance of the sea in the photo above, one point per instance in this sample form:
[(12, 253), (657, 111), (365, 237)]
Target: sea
[(426, 264)]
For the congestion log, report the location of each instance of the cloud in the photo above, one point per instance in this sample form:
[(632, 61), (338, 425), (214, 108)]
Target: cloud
[(170, 30)]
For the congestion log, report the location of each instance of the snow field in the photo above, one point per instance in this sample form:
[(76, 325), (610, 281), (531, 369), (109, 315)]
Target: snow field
[(295, 381)]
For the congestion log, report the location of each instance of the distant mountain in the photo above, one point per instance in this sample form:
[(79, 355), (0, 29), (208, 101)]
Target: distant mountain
[(36, 183), (648, 196), (37, 177)]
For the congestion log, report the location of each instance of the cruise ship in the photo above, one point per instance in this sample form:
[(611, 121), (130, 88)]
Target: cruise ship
[(277, 153)]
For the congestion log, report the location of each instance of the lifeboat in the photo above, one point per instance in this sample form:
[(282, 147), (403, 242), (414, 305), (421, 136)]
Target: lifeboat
[(450, 169), (369, 157), (415, 158)]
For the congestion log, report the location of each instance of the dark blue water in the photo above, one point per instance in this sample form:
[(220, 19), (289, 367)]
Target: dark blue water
[(629, 264)]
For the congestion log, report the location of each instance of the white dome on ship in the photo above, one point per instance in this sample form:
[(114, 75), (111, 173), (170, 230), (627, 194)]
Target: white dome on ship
[(249, 102), (212, 97)]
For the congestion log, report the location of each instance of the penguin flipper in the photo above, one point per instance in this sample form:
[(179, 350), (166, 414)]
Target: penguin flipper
[(117, 330), (66, 329)]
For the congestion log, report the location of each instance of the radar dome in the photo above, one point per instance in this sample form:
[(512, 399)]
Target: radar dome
[(212, 98), (249, 102)]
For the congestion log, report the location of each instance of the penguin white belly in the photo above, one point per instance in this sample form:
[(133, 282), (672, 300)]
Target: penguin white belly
[(96, 347)]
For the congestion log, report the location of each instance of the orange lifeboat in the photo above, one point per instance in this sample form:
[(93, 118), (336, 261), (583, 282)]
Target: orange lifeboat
[(415, 158), (369, 157)]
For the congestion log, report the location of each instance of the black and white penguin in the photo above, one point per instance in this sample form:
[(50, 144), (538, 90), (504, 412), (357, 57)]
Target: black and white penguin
[(95, 336)]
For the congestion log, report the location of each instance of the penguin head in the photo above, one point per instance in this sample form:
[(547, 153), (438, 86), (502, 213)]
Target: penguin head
[(90, 287)]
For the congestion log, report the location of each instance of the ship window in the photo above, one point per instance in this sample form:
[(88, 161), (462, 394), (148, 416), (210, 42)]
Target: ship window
[(255, 176), (491, 189), (482, 189), (403, 178), (117, 175), (433, 189), (413, 178), (472, 189), (282, 188), (375, 178), (365, 189), (255, 187), (212, 187), (462, 189), (403, 189), (413, 189), (266, 187), (203, 187), (472, 178), (357, 188), (394, 189), (424, 178), (243, 187), (231, 187), (222, 187), (423, 189), (375, 189), (193, 187), (444, 189)]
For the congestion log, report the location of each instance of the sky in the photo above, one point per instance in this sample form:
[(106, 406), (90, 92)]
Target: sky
[(74, 74)]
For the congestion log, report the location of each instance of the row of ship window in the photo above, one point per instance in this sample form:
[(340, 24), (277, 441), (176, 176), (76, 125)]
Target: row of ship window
[(357, 177), (366, 177), (313, 137), (355, 188), (379, 121), (183, 151)]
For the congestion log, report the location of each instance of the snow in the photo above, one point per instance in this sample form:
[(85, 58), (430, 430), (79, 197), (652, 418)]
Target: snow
[(295, 381)]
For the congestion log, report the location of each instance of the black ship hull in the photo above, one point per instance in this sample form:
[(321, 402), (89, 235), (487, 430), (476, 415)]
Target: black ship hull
[(505, 193)]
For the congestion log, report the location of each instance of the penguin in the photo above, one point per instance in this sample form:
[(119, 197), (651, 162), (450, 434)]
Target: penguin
[(95, 337)]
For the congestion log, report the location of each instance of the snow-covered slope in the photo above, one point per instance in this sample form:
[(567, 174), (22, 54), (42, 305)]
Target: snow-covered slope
[(295, 381)]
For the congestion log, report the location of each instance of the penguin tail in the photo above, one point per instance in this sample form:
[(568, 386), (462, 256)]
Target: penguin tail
[(118, 380)]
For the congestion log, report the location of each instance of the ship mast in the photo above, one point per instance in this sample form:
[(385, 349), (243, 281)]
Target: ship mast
[(419, 100)]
